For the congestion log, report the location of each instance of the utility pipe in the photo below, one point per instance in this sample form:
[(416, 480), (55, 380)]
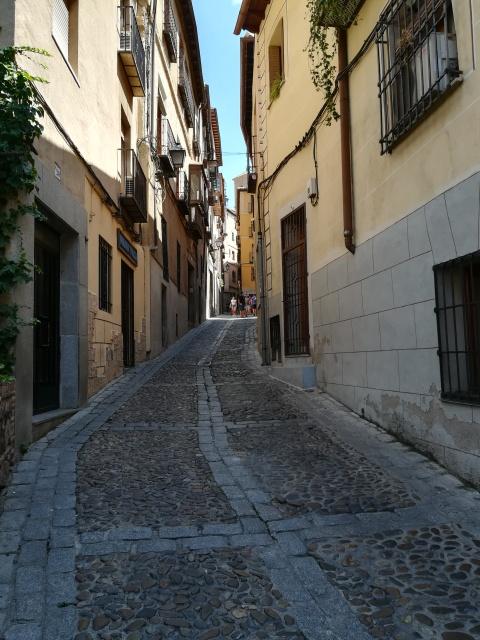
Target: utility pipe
[(345, 140)]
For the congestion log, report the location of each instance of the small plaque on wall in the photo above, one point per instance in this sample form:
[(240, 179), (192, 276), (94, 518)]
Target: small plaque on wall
[(127, 248)]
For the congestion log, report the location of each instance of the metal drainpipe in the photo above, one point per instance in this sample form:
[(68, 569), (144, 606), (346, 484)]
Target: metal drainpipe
[(345, 141), (152, 79)]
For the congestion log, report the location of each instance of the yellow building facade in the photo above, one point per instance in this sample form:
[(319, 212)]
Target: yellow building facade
[(245, 234), (372, 301)]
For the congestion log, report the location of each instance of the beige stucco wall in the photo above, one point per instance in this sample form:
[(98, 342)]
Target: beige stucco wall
[(373, 330)]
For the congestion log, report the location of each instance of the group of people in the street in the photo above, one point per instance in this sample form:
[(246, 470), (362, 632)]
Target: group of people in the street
[(244, 306)]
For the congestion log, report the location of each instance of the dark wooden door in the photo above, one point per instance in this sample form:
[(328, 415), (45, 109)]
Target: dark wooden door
[(191, 296), (128, 316), (295, 289), (46, 359)]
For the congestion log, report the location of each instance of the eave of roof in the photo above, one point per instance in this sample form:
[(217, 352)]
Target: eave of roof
[(247, 44), (216, 136), (251, 14), (192, 46)]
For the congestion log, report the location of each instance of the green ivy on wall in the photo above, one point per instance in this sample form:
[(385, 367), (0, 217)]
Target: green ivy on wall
[(20, 126)]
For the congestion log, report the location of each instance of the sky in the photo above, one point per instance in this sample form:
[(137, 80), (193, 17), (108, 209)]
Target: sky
[(220, 51)]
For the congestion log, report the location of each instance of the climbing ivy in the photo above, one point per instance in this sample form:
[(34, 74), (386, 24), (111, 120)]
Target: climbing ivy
[(20, 126), (322, 45)]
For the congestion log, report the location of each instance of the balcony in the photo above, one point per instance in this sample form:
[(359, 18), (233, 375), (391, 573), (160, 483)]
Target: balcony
[(199, 188), (183, 192), (166, 143), (133, 196), (170, 31), (341, 14), (195, 224), (185, 91), (131, 51)]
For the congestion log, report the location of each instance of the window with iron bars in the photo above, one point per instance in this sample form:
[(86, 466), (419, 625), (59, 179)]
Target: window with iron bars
[(417, 63), (105, 275), (457, 294)]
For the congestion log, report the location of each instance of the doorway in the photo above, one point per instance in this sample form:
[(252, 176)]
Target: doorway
[(191, 296), (46, 358), (128, 316), (295, 289), (164, 315)]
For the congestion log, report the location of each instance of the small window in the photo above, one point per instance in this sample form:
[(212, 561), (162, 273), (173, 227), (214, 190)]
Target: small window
[(417, 62), (233, 236), (252, 274), (65, 29), (105, 276), (275, 62), (457, 293)]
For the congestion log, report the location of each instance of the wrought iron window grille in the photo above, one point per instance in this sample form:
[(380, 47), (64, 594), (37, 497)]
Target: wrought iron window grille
[(457, 295), (105, 275), (417, 63)]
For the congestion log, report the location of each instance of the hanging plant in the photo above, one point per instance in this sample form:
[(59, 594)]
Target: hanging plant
[(20, 127), (322, 45)]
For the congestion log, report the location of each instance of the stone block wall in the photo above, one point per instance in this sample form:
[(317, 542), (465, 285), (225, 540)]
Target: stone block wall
[(375, 329), (7, 430)]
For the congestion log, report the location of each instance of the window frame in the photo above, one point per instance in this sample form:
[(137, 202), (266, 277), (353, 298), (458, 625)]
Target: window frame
[(464, 363), (407, 45), (104, 259)]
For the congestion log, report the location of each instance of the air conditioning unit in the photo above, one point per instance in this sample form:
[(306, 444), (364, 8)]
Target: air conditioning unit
[(433, 60)]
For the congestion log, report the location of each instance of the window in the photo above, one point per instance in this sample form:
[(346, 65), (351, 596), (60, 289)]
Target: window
[(252, 274), (105, 275), (65, 29), (165, 249), (234, 277), (233, 236), (179, 265), (275, 62), (417, 62), (457, 293)]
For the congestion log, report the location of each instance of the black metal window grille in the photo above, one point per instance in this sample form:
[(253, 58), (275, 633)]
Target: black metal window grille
[(165, 249), (295, 290), (457, 293), (275, 339), (417, 63), (105, 275)]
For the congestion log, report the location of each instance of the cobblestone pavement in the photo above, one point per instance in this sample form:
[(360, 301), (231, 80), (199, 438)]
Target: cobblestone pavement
[(198, 497)]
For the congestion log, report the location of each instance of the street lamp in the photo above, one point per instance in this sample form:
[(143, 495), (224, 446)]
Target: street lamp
[(178, 154), (219, 243)]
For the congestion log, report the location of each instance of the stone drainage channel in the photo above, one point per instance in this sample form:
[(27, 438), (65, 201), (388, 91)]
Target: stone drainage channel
[(385, 545)]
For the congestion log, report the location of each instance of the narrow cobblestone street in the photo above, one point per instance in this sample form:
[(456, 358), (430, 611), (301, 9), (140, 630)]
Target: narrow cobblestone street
[(198, 497)]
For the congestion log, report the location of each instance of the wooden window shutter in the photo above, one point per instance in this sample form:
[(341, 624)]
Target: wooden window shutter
[(275, 63), (60, 25)]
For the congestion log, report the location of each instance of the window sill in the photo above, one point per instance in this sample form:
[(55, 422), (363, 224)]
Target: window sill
[(70, 68)]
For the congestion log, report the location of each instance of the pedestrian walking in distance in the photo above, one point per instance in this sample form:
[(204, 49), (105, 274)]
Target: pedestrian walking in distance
[(233, 306)]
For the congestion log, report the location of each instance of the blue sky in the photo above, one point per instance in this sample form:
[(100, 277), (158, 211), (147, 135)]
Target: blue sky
[(221, 71)]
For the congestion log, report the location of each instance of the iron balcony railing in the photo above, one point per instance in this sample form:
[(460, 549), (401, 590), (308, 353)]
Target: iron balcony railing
[(186, 91), (133, 196), (131, 49), (165, 144), (198, 187), (170, 31), (183, 191), (417, 63)]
